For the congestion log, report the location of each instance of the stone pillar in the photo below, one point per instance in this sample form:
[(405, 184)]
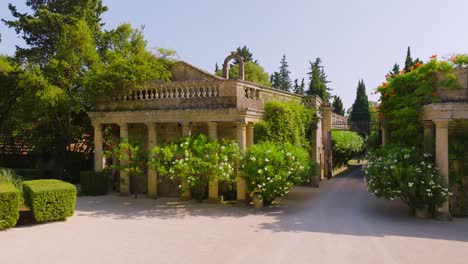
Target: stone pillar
[(124, 178), (98, 153), (242, 142), (213, 186), (186, 131), (326, 137), (428, 137), (152, 176), (441, 155), (250, 134)]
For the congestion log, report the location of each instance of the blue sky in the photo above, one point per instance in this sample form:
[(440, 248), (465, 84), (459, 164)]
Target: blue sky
[(359, 39)]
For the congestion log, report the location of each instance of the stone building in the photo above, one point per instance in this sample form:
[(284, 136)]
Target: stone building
[(195, 101)]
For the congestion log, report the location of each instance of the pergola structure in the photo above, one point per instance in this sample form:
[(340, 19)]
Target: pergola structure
[(195, 101)]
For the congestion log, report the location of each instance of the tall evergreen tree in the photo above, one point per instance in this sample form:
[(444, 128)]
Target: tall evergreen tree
[(360, 106), (318, 80), (409, 60), (281, 79), (299, 88), (338, 105), (217, 69)]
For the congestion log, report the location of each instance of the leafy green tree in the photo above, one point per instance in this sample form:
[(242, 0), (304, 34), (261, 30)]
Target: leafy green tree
[(281, 79), (318, 80), (9, 90), (360, 111), (67, 63), (252, 72), (338, 105), (299, 88)]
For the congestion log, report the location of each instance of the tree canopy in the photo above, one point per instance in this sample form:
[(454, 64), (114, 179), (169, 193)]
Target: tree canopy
[(281, 80), (318, 80), (252, 72), (360, 111), (337, 105)]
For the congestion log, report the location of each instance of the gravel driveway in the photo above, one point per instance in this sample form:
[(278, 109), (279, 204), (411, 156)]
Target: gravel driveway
[(337, 223)]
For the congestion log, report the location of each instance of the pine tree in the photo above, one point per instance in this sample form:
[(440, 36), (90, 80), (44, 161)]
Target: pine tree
[(395, 70), (217, 69), (338, 105), (318, 80), (299, 88), (281, 79), (246, 55), (408, 61), (360, 107)]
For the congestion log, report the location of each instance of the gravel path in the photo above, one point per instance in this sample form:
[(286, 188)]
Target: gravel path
[(337, 223)]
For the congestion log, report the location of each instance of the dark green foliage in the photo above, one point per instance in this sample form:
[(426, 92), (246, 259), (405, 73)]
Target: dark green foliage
[(281, 80), (360, 106), (246, 55), (9, 200), (33, 174), (94, 182), (299, 88), (252, 72), (318, 80), (395, 70), (50, 200), (286, 123), (408, 61), (338, 105), (345, 145)]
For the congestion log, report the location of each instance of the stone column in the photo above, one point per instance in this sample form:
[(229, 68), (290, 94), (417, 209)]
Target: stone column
[(428, 137), (124, 178), (326, 134), (98, 153), (441, 155), (242, 142), (250, 134), (186, 131), (213, 186), (152, 176)]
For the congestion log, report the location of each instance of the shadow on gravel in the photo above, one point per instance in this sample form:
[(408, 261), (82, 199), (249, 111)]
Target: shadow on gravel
[(340, 206)]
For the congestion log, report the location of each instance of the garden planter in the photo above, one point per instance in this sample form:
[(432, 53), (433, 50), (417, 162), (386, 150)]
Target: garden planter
[(257, 200), (422, 213)]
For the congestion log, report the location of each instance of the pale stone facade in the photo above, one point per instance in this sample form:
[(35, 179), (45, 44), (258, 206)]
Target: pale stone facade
[(194, 102), (436, 119)]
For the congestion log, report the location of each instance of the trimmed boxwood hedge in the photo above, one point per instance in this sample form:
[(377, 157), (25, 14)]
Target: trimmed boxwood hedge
[(9, 199), (94, 182), (50, 200)]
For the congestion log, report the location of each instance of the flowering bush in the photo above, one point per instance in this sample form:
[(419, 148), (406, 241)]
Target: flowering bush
[(272, 170), (395, 172), (196, 160), (132, 158)]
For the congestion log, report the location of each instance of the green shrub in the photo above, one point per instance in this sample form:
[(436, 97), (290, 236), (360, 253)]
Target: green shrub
[(50, 200), (395, 172), (94, 182), (287, 123), (9, 200), (272, 170), (345, 145), (9, 176)]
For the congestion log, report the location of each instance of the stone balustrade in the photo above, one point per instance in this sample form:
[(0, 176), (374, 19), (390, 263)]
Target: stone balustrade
[(201, 94)]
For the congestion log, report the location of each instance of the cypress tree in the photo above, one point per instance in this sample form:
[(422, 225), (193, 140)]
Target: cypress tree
[(338, 106), (408, 61), (360, 106), (217, 69), (395, 70)]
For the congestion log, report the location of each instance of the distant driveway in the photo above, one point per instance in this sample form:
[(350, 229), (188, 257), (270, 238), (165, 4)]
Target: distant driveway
[(336, 223)]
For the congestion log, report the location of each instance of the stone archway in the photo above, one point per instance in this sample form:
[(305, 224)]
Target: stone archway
[(236, 56)]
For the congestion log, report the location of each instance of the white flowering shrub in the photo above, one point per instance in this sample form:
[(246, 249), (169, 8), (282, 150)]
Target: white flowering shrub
[(395, 172), (196, 160), (272, 170)]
